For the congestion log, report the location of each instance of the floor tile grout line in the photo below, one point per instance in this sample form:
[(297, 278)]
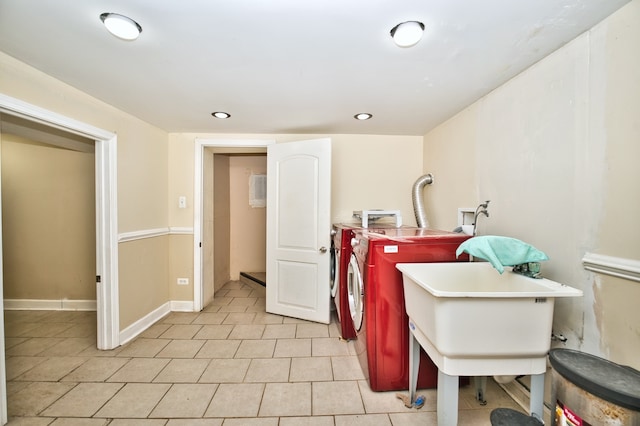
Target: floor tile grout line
[(258, 319)]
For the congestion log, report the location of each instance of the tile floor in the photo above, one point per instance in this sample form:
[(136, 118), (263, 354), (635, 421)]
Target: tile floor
[(231, 364)]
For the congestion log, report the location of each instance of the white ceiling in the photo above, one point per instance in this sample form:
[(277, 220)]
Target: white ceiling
[(292, 66)]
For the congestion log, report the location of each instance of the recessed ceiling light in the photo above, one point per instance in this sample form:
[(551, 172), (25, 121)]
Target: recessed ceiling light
[(362, 116), (407, 34), (221, 115), (121, 26)]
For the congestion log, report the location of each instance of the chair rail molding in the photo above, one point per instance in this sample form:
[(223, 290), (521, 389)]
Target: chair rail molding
[(620, 267), (152, 233)]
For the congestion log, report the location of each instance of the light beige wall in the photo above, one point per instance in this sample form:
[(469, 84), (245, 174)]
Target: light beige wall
[(374, 172), (449, 154), (180, 265), (181, 157), (142, 170), (615, 87), (554, 150), (615, 106), (368, 171), (48, 221), (248, 226), (143, 263), (142, 148)]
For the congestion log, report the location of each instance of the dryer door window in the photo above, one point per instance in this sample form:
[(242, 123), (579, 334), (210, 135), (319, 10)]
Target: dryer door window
[(355, 290)]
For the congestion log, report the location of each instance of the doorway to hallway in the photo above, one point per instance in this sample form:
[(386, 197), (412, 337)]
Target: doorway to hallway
[(223, 170)]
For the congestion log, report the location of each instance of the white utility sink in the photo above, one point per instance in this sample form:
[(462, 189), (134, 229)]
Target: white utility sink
[(473, 321)]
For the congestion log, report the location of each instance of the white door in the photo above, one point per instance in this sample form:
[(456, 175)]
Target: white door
[(298, 229)]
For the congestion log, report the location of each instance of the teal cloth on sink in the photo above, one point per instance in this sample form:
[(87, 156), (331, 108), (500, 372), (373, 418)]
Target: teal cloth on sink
[(501, 251)]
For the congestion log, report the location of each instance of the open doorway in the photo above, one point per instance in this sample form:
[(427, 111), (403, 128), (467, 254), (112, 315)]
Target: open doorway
[(106, 242), (234, 218), (243, 178), (212, 218), (297, 168), (49, 218)]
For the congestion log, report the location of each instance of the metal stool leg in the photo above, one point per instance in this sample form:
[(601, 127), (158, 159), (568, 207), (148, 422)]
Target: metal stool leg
[(480, 383), (447, 399), (414, 365), (536, 404)]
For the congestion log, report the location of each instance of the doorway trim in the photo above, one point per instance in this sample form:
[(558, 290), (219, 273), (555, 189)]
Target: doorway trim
[(107, 303), (198, 215)]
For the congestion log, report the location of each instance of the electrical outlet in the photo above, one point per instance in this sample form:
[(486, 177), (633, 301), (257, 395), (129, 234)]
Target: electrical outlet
[(183, 281)]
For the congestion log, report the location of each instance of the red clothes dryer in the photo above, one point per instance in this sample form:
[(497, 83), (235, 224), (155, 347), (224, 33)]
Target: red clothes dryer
[(341, 251), (376, 300)]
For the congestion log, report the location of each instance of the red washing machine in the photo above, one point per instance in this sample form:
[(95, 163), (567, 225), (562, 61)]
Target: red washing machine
[(376, 300), (341, 250)]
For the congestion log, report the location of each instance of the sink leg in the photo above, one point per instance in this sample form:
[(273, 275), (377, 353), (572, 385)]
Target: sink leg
[(481, 388), (447, 399), (414, 365), (536, 404)]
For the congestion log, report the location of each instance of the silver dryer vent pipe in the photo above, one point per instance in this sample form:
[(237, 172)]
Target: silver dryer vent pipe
[(418, 205)]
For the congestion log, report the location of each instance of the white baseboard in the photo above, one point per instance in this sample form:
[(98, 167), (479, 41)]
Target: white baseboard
[(518, 392), (151, 318), (49, 305), (181, 306), (126, 335), (143, 323), (522, 396)]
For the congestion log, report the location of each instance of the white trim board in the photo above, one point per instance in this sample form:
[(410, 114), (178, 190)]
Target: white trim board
[(620, 267), (152, 233), (142, 234), (132, 331), (36, 114), (180, 230), (522, 396), (49, 305), (138, 327)]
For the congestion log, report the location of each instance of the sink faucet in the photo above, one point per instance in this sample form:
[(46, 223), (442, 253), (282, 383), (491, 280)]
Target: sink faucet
[(530, 269), (481, 209)]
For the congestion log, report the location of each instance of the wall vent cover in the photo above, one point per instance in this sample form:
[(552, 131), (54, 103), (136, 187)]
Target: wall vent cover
[(258, 190)]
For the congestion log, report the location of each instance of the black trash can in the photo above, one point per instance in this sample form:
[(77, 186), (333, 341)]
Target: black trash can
[(590, 391)]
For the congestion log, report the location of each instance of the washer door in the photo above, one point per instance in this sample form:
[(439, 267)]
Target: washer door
[(334, 279), (355, 290)]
